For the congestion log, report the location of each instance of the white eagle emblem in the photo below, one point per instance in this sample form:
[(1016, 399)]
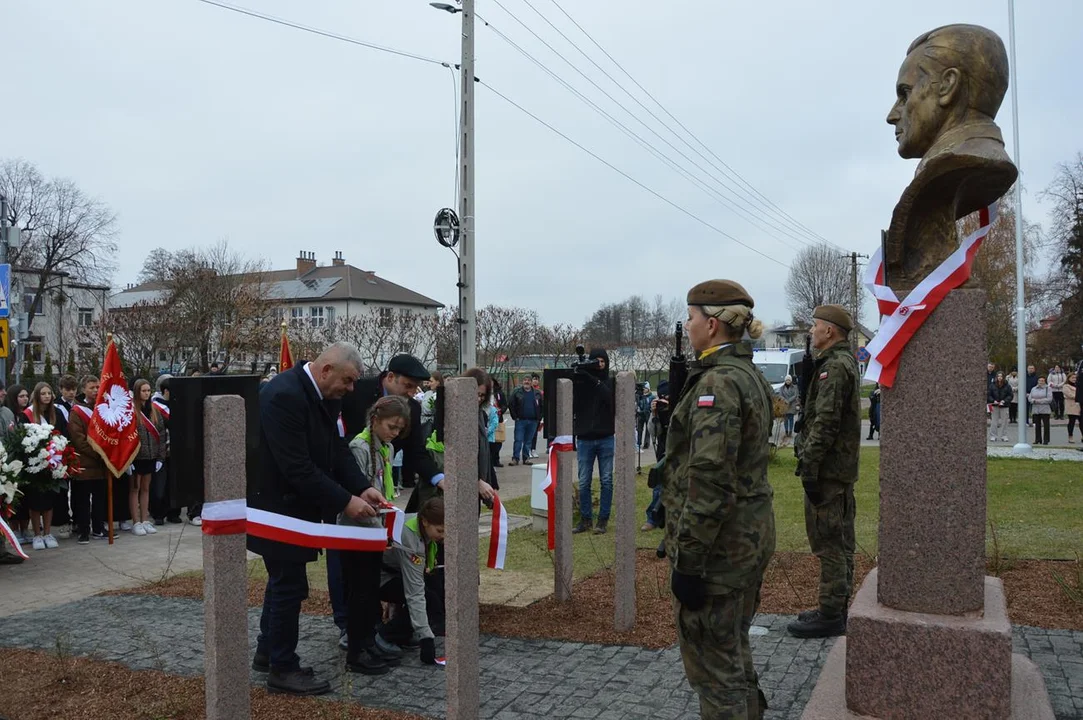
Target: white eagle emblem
[(116, 411)]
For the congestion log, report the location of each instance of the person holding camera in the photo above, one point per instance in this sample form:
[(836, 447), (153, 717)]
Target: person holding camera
[(595, 437), (720, 521)]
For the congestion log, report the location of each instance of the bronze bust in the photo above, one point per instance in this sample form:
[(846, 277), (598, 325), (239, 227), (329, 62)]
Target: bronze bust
[(949, 90)]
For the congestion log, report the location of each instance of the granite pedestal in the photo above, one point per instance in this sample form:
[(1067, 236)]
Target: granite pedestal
[(624, 486), (567, 473)]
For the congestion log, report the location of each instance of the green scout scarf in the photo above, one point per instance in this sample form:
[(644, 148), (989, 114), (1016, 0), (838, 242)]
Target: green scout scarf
[(385, 452)]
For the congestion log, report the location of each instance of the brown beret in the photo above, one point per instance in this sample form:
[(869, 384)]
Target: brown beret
[(719, 292), (835, 314)]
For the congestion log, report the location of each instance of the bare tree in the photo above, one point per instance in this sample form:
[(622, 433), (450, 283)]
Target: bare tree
[(142, 331), (1062, 287), (504, 331), (63, 230), (557, 342), (818, 276)]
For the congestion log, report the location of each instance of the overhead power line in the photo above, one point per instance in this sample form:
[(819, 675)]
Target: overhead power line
[(322, 33), (745, 211), (628, 177), (763, 199), (414, 56)]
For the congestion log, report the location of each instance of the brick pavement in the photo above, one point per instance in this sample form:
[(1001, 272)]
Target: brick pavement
[(520, 678)]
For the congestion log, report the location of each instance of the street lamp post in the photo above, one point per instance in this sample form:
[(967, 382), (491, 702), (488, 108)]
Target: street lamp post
[(1022, 447), (468, 316)]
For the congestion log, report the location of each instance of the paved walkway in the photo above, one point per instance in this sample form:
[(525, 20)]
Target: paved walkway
[(521, 679)]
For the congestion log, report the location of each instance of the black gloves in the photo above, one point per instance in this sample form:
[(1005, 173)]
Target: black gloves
[(690, 590), (428, 651), (812, 491)]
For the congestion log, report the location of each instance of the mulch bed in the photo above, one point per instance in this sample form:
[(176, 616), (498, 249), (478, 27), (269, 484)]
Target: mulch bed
[(789, 586), (43, 686)]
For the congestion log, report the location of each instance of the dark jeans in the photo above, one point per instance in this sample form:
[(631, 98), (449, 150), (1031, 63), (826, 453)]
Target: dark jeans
[(159, 494), (603, 450), (336, 588), (525, 429), (655, 506), (1013, 412), (361, 573), (643, 429), (1041, 429), (287, 588), (1058, 404), (1072, 420), (494, 453), (88, 504)]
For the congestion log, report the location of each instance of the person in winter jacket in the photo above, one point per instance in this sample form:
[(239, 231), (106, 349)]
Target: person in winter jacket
[(526, 411), (874, 410), (593, 408), (1056, 379), (1013, 408), (410, 567), (1031, 383), (792, 397), (644, 398), (1041, 401), (150, 424), (1071, 405), (1000, 398)]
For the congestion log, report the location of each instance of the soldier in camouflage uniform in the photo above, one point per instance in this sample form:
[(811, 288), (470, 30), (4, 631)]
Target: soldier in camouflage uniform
[(827, 465), (720, 524)]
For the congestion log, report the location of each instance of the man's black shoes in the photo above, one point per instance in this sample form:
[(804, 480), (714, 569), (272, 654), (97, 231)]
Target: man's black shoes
[(815, 624), (367, 662), (583, 526), (296, 682)]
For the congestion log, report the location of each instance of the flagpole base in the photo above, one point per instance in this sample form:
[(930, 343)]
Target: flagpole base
[(1021, 449)]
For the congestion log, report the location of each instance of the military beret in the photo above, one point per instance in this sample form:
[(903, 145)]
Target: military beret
[(408, 366), (719, 292), (835, 314)]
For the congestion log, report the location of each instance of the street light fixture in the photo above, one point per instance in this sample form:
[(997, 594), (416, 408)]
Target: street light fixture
[(447, 8)]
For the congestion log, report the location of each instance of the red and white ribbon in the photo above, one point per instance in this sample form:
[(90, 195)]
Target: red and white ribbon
[(162, 408), (233, 517), (6, 532), (561, 443), (394, 520), (498, 538), (902, 319)]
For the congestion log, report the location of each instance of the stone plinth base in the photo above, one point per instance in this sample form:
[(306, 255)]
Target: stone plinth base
[(899, 665), (1029, 700)]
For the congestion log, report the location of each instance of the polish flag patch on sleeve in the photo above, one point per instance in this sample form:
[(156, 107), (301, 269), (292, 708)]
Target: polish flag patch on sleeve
[(823, 375), (706, 401)]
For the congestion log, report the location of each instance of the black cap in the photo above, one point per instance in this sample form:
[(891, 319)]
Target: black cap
[(408, 366)]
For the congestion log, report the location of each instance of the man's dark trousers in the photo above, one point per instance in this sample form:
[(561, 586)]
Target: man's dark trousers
[(336, 588), (287, 588)]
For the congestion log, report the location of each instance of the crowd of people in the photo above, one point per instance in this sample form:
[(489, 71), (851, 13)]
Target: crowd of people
[(1054, 395), (79, 510)]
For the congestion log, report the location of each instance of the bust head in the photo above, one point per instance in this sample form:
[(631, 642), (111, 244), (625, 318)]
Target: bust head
[(953, 75)]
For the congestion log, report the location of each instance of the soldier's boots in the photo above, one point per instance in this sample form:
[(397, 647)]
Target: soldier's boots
[(584, 525), (661, 551), (601, 527), (815, 624)]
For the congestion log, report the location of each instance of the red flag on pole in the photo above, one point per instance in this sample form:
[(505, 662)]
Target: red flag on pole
[(112, 430), (285, 357)]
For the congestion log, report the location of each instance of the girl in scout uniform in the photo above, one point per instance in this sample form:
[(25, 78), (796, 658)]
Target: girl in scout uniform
[(407, 568)]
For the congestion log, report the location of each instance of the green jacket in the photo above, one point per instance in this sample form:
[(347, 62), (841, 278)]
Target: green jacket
[(831, 437), (720, 523)]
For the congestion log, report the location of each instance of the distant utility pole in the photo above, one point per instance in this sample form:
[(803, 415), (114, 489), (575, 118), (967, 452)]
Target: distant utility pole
[(853, 297)]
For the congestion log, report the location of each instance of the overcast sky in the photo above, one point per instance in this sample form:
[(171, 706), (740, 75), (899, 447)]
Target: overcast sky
[(195, 123)]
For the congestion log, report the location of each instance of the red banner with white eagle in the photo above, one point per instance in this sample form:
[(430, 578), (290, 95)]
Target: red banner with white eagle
[(112, 430)]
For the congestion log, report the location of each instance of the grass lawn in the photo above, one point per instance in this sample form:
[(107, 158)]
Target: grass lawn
[(1034, 505)]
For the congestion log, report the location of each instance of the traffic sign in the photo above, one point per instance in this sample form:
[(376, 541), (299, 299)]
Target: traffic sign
[(5, 291), (863, 354), (5, 338)]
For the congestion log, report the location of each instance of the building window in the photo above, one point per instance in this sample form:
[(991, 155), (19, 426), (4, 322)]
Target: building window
[(315, 316), (387, 317), (29, 300), (329, 314), (297, 316), (86, 317)]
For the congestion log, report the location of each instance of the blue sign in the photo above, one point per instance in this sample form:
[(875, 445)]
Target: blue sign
[(5, 290), (863, 355)]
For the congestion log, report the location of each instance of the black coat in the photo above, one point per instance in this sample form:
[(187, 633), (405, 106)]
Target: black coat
[(306, 469), (355, 410), (1000, 394)]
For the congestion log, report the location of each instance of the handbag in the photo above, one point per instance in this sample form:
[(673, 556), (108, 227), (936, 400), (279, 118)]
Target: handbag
[(501, 434)]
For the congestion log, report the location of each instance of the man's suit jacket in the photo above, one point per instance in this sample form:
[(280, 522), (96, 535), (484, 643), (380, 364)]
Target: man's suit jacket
[(306, 469), (355, 410)]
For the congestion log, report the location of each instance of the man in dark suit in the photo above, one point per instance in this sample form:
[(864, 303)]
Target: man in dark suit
[(307, 472)]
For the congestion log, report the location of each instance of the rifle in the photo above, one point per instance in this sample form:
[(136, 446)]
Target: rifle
[(678, 367), (805, 380)]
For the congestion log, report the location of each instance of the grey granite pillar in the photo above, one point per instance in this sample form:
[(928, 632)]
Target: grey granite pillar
[(225, 566), (624, 486), (567, 476), (461, 546)]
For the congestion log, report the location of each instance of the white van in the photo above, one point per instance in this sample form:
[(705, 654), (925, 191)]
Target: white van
[(777, 364)]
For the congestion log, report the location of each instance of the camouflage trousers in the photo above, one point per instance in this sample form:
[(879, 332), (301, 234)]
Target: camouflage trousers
[(717, 655), (830, 528)]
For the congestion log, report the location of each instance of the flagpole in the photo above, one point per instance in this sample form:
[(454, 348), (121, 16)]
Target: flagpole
[(110, 478)]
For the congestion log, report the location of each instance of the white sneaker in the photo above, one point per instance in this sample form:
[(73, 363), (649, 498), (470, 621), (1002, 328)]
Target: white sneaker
[(149, 528), (51, 543), (139, 530), (39, 542), (197, 521), (127, 526)]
